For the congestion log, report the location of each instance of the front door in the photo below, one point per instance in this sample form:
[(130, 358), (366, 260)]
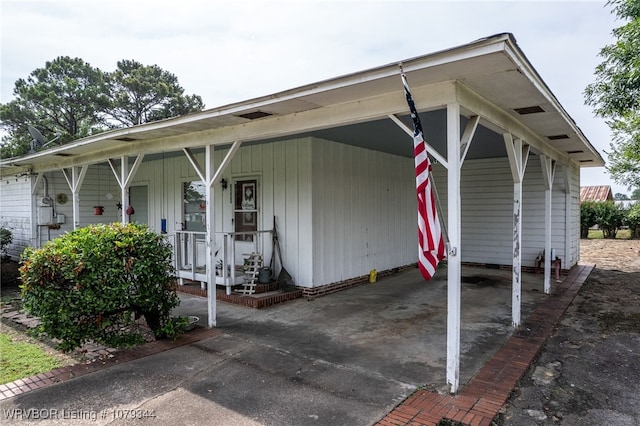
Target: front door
[(246, 208), (245, 216)]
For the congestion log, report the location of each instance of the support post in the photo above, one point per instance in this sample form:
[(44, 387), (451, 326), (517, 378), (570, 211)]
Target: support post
[(569, 255), (548, 172), (124, 180), (124, 188), (74, 180), (454, 264), (210, 177), (518, 153), (211, 252)]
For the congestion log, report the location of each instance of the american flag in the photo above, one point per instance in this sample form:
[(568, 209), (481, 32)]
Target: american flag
[(431, 248)]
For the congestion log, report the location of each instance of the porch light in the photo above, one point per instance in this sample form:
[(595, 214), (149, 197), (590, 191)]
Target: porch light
[(224, 184)]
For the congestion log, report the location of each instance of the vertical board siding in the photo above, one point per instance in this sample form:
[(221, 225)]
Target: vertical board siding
[(341, 210), (572, 195), (21, 206), (363, 203), (98, 183), (487, 211), (284, 191)]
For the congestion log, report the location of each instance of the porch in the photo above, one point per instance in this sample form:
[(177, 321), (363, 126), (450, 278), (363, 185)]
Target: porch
[(246, 278)]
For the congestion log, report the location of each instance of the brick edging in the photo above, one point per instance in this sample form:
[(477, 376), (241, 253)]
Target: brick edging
[(62, 374), (482, 398)]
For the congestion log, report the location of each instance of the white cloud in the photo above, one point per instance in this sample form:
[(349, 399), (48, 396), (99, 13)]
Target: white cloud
[(232, 51)]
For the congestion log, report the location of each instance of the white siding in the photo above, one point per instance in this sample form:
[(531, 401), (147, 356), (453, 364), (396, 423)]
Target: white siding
[(20, 209), (98, 183), (533, 208), (284, 191), (15, 212), (341, 210), (572, 200), (487, 211), (364, 212)]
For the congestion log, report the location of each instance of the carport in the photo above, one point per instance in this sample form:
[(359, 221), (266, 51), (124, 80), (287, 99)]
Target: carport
[(483, 106), (374, 343)]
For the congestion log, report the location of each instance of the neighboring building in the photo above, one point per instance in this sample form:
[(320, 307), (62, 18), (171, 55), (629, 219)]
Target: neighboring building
[(596, 193), (332, 164)]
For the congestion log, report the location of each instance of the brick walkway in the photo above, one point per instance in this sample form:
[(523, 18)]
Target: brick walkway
[(478, 402)]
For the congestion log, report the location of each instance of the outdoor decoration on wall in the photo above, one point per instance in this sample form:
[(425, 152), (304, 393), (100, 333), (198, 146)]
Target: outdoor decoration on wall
[(61, 198)]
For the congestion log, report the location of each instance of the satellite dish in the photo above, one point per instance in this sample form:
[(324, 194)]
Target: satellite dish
[(38, 140)]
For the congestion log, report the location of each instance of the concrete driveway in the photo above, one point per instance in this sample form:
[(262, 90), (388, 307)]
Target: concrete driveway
[(347, 358)]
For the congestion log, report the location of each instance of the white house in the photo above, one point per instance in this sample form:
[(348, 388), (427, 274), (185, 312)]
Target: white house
[(332, 162)]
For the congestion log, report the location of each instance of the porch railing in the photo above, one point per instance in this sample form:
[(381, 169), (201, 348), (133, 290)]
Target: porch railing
[(191, 251)]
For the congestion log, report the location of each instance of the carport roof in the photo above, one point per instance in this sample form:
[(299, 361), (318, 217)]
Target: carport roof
[(493, 68)]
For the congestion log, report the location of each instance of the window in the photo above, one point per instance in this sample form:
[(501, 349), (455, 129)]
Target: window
[(246, 208), (194, 206)]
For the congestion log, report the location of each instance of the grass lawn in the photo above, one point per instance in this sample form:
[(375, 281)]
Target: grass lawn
[(596, 234), (22, 359)]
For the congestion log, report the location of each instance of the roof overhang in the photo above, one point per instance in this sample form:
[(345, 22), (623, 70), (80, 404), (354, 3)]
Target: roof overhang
[(490, 77)]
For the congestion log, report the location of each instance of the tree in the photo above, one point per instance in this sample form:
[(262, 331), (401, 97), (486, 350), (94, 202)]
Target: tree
[(620, 196), (632, 220), (140, 94), (609, 217), (615, 95), (70, 97), (67, 96), (635, 195)]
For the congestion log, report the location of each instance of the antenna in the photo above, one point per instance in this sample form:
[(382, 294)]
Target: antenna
[(39, 140)]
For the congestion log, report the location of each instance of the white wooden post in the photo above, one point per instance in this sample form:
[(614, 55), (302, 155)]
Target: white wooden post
[(210, 176), (211, 243), (568, 216), (124, 180), (124, 188), (518, 153), (457, 149), (454, 264), (75, 182), (548, 172)]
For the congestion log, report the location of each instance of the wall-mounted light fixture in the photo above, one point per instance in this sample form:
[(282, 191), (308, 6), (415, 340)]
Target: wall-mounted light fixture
[(224, 184)]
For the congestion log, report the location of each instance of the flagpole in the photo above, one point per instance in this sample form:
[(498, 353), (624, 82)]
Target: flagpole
[(433, 185), (443, 226)]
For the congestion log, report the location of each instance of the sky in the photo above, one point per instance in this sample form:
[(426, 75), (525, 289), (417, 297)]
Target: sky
[(231, 51)]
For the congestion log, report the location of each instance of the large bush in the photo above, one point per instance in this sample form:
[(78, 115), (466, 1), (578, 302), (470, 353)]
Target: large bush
[(587, 217), (632, 220), (92, 283), (609, 217)]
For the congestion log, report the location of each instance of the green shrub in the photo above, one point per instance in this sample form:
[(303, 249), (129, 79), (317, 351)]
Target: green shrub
[(587, 217), (6, 238), (632, 220), (609, 217), (92, 283)]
